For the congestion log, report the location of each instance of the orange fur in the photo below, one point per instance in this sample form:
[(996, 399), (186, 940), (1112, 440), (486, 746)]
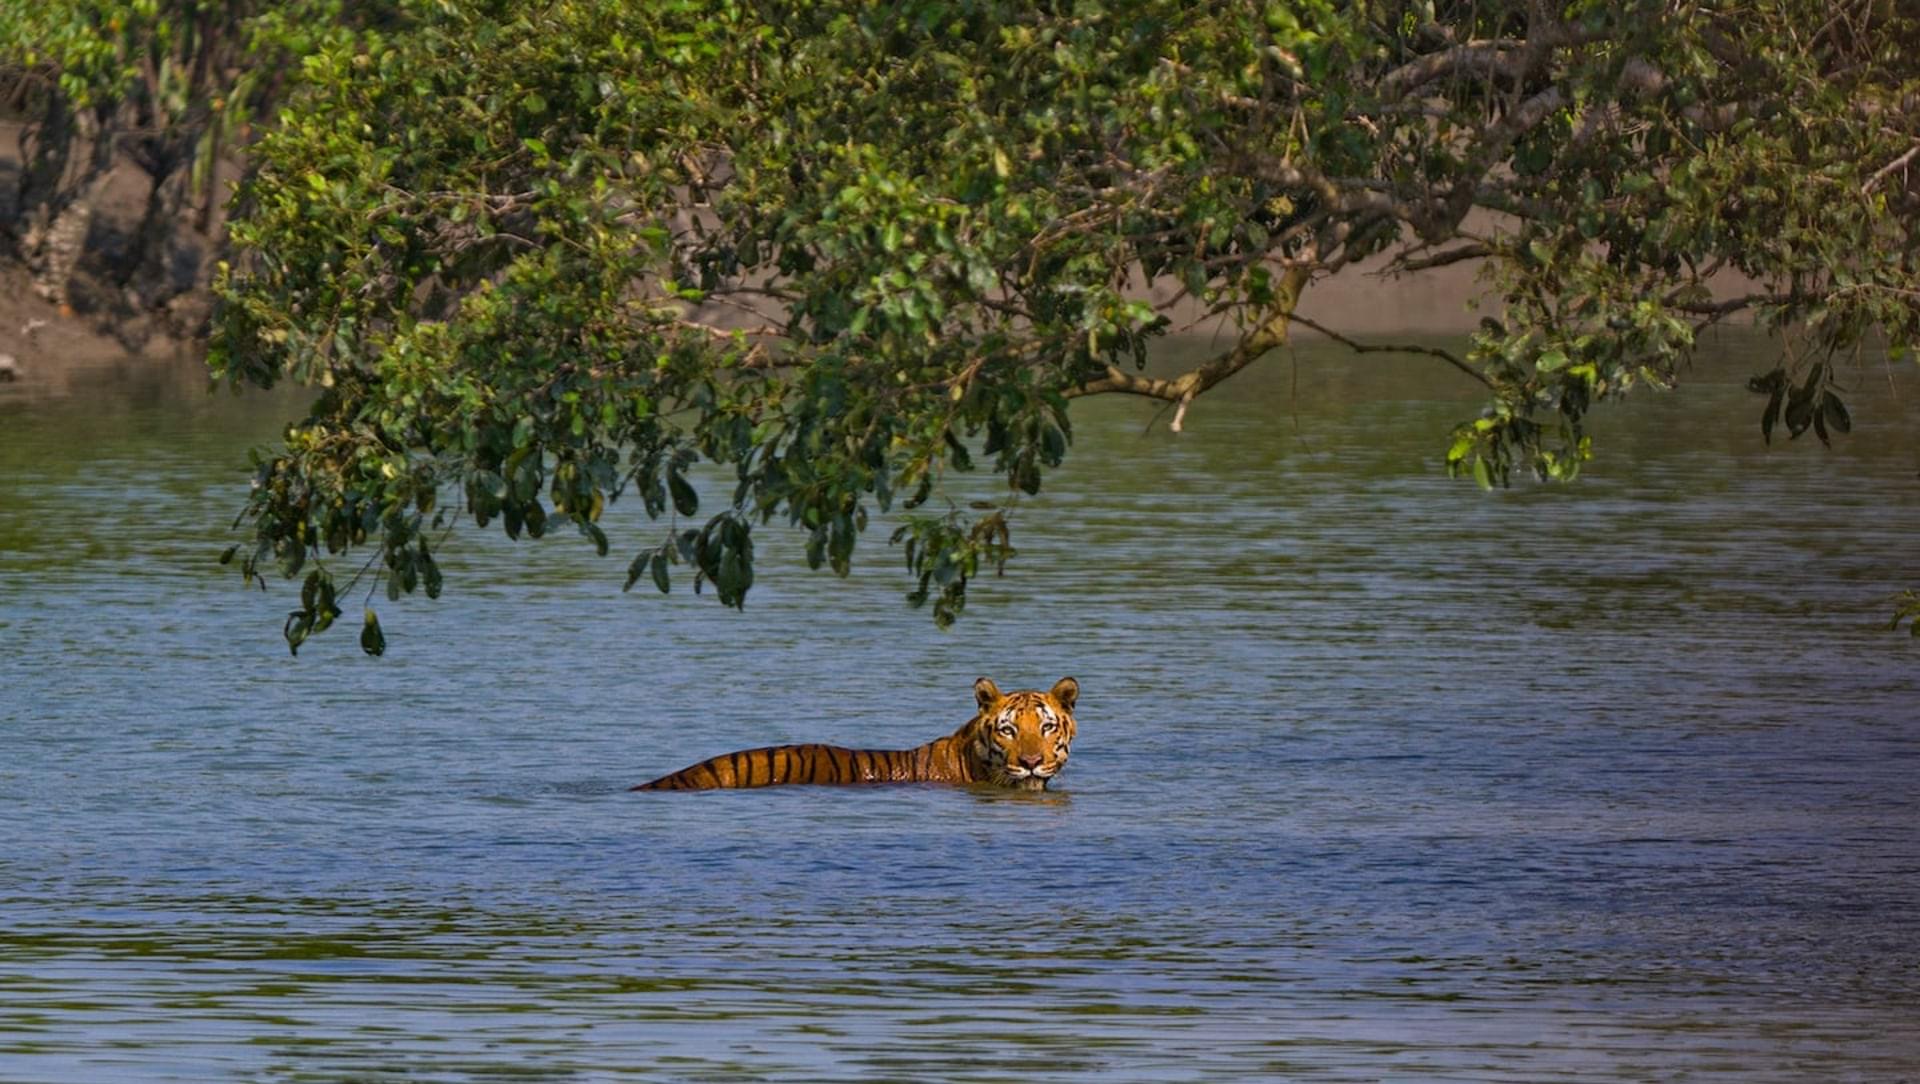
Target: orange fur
[(1015, 740)]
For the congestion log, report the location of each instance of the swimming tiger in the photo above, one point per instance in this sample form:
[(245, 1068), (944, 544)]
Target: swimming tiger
[(1015, 740)]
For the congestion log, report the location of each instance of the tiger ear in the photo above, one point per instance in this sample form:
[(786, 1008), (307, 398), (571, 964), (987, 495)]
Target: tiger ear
[(1066, 690), (986, 693)]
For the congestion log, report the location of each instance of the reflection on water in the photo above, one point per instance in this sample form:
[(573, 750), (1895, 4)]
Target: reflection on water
[(1378, 777)]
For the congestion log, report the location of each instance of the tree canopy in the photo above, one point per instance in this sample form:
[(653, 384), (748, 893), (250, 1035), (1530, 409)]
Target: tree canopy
[(540, 257)]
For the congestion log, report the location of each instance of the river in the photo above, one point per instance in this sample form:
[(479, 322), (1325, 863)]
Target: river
[(1379, 777)]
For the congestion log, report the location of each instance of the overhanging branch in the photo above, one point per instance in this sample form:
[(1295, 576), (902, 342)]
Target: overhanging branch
[(1473, 251), (1897, 163), (1184, 389), (1507, 59), (1403, 348)]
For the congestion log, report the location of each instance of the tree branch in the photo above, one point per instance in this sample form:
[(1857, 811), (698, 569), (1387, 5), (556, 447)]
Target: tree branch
[(1511, 59), (1490, 58), (1889, 168), (1183, 389), (1362, 348), (1719, 309), (1474, 251)]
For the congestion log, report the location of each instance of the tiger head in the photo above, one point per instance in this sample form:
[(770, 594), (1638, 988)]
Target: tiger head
[(1021, 739)]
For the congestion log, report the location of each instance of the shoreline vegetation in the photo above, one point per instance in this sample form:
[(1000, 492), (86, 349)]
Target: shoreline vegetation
[(103, 325), (542, 257), (124, 136)]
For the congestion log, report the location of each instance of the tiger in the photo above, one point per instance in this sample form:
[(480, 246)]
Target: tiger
[(1018, 740)]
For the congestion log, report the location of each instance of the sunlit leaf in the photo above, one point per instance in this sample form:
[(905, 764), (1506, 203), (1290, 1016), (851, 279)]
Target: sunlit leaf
[(372, 640)]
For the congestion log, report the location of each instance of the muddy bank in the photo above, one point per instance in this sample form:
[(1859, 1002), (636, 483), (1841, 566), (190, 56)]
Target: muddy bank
[(44, 353), (108, 319), (41, 338)]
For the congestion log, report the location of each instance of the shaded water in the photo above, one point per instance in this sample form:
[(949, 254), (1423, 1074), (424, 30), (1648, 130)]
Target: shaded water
[(1378, 778)]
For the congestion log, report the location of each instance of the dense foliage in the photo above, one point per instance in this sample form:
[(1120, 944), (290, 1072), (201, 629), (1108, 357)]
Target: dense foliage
[(169, 86), (543, 256)]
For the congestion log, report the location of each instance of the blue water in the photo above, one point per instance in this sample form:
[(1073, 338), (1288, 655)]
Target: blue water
[(1378, 777)]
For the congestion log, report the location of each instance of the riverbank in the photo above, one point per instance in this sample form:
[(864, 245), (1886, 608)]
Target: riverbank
[(106, 326), (55, 354)]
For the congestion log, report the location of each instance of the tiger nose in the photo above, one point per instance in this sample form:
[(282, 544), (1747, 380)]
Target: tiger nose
[(1031, 761)]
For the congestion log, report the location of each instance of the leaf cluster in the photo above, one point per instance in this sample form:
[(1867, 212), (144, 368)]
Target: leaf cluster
[(542, 257)]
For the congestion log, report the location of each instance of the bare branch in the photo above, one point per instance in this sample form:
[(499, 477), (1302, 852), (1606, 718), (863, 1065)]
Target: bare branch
[(1486, 58), (1509, 59), (758, 354), (1474, 251), (1897, 163), (1183, 389), (1718, 309), (1405, 348)]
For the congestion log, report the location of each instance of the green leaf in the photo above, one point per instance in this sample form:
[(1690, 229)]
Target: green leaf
[(372, 640), (298, 625), (685, 500), (952, 210), (1835, 413)]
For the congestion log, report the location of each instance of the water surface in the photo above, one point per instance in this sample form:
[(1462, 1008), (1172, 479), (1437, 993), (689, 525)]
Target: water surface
[(1379, 777)]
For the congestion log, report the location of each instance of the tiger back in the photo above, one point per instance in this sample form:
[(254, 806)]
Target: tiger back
[(1019, 740)]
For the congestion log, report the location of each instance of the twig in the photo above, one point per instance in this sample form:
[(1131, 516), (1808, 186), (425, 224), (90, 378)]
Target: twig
[(1889, 168), (1362, 348), (1473, 251)]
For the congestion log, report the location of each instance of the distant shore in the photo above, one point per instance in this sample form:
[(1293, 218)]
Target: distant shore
[(47, 347), (47, 344)]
